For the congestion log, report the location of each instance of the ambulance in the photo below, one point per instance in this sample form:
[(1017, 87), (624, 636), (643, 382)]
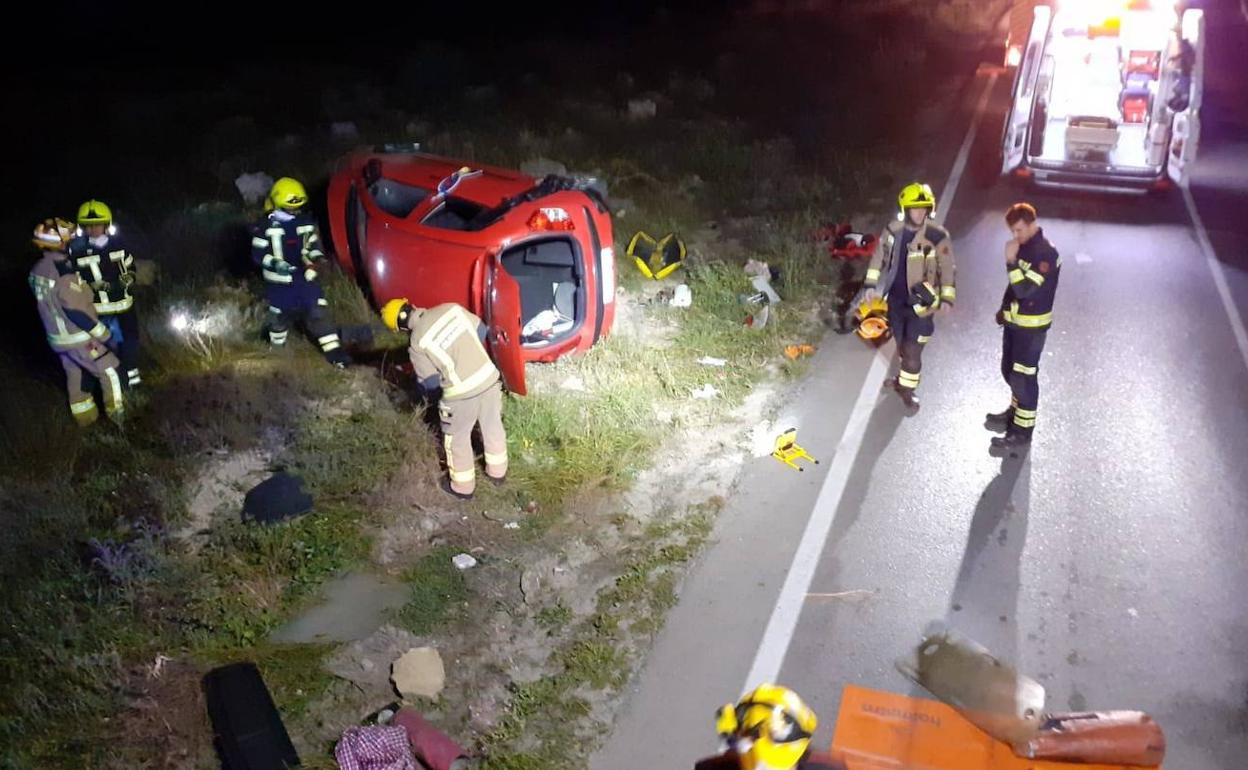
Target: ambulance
[(1106, 95)]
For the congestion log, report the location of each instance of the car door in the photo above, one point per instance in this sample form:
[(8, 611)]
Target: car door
[(1018, 118), (1185, 130), (502, 320)]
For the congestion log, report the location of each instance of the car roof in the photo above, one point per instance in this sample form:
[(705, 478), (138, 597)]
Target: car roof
[(422, 170)]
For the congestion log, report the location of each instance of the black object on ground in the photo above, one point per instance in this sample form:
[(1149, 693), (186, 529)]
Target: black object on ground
[(247, 730), (276, 499)]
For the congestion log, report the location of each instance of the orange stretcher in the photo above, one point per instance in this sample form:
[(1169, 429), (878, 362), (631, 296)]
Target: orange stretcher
[(885, 731)]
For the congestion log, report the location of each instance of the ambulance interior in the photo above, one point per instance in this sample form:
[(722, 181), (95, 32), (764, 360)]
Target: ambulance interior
[(1103, 88)]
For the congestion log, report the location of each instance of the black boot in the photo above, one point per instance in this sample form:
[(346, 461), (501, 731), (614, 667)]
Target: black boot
[(1012, 441), (999, 421), (907, 396)]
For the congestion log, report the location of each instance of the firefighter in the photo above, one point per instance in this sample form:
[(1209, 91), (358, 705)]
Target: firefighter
[(769, 729), (100, 256), (1033, 267), (447, 352), (913, 268), (67, 308), (286, 245)]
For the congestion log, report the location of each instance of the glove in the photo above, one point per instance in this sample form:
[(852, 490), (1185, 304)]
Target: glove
[(1000, 317), (309, 275)]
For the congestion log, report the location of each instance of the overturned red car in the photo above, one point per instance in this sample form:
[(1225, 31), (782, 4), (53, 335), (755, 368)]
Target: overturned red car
[(533, 258)]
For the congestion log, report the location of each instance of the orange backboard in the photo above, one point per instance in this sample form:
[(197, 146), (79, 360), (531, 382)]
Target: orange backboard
[(884, 731)]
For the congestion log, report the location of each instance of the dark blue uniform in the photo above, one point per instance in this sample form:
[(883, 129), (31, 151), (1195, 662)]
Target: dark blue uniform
[(107, 266), (1027, 313), (287, 248)]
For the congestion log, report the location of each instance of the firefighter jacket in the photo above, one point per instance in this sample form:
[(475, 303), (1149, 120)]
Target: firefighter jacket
[(447, 351), (66, 305), (1028, 300), (928, 262), (287, 248), (106, 266)]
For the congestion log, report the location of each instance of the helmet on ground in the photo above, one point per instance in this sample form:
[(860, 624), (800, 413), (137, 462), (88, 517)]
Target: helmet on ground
[(872, 317), (94, 212), (396, 313), (770, 728), (287, 194), (916, 195), (52, 234)]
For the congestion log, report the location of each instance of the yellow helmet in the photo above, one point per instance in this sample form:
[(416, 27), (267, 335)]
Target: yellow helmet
[(94, 212), (52, 234), (770, 728), (872, 318), (287, 194), (916, 195), (395, 313)]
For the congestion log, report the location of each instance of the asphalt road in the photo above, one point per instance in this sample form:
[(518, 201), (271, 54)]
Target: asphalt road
[(1108, 562)]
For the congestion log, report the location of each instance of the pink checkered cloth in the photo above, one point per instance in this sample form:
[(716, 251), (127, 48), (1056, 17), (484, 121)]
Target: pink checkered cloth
[(374, 748)]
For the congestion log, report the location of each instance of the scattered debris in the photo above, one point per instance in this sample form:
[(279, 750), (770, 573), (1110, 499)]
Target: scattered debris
[(254, 187), (794, 352), (683, 297), (419, 673), (642, 109), (512, 525), (464, 561), (788, 452), (709, 361), (433, 748), (1133, 612), (758, 319), (856, 595), (158, 666), (375, 747), (705, 392), (356, 661), (656, 259)]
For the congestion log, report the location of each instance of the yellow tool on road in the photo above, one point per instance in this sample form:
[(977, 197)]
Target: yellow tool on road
[(788, 452)]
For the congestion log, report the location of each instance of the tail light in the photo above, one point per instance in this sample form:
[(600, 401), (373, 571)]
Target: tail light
[(551, 219)]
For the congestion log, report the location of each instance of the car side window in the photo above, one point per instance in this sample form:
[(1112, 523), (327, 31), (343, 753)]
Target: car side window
[(395, 198)]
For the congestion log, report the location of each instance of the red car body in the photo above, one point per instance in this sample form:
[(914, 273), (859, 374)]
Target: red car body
[(521, 255)]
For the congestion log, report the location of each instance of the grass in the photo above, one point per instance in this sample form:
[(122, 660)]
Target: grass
[(438, 592), (542, 727)]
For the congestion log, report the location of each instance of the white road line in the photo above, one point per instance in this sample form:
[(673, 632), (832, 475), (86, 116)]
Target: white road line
[(1219, 275), (779, 633)]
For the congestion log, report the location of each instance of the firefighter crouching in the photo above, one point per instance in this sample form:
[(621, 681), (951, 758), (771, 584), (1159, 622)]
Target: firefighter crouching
[(1032, 267), (286, 246), (770, 728), (447, 352), (67, 308), (100, 256), (913, 267)]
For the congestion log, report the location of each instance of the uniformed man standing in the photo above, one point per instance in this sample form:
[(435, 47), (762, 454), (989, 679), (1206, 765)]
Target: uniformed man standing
[(67, 309), (106, 265), (913, 264), (447, 352), (1033, 267)]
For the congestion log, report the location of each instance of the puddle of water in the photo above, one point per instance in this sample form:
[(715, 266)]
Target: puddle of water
[(355, 606)]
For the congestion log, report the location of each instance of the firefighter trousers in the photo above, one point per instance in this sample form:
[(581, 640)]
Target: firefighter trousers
[(125, 330), (97, 363), (1020, 366), (315, 318), (911, 333), (459, 417)]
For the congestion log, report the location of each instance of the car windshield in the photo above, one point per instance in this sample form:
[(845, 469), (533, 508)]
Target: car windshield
[(396, 198)]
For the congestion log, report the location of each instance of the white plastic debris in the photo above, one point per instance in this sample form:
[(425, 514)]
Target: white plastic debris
[(464, 561), (763, 284), (1133, 612), (254, 187), (512, 525), (708, 361), (683, 296), (705, 393)]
